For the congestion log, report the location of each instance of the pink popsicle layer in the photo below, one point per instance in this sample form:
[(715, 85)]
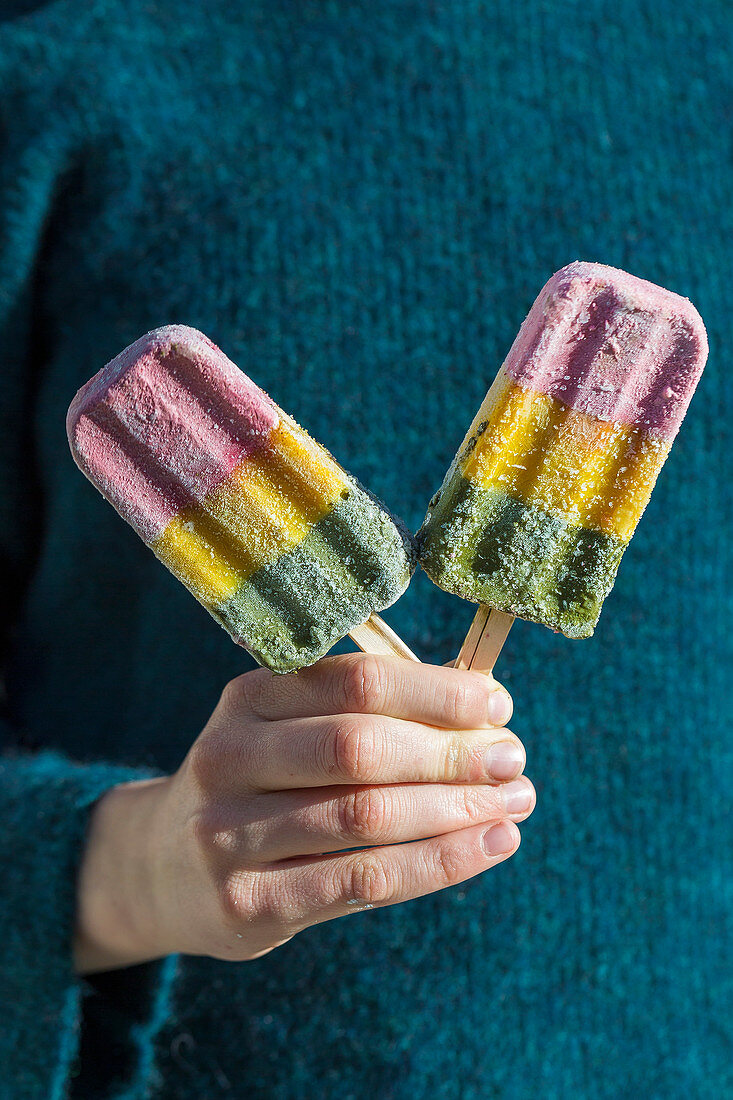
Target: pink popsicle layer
[(163, 423), (619, 348)]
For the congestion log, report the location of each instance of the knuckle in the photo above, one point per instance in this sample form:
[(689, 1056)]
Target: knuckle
[(206, 755), (215, 838), (221, 751), (352, 752), (221, 834), (462, 702), (233, 694), (209, 758), (203, 830), (475, 805), (238, 898), (363, 814), (247, 897), (245, 693), (447, 864), (362, 684), (366, 881), (457, 757)]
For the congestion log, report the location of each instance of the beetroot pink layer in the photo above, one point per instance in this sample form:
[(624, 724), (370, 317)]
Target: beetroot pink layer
[(609, 344), (164, 423)]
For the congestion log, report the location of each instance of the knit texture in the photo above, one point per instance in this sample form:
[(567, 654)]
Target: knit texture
[(358, 201), (44, 804)]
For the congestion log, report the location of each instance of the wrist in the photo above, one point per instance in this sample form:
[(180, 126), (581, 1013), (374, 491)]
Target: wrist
[(119, 911)]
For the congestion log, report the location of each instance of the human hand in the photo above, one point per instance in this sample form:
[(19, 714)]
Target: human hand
[(243, 846)]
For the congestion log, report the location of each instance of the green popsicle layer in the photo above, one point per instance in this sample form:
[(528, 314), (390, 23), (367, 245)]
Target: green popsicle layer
[(513, 556), (354, 561)]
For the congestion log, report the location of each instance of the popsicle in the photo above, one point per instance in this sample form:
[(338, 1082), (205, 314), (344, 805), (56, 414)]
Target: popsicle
[(542, 499), (283, 547)]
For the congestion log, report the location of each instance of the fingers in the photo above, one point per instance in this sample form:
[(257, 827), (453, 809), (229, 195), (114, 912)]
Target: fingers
[(358, 748), (302, 823), (361, 683), (322, 888)]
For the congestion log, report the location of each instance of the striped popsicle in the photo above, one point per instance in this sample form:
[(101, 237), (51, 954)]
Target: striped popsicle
[(546, 491), (259, 522)]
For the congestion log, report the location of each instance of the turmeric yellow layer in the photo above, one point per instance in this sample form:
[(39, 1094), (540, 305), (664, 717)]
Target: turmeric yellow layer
[(266, 506), (594, 473)]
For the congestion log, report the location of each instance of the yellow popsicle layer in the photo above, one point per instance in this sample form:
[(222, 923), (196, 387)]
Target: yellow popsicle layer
[(266, 506), (595, 473)]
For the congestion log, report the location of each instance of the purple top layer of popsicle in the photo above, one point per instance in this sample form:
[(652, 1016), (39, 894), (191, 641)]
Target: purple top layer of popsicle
[(163, 423), (609, 344)]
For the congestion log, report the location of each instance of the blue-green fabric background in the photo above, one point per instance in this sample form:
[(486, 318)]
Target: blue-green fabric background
[(358, 200)]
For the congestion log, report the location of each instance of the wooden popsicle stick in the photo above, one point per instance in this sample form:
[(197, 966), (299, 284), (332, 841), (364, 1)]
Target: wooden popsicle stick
[(484, 640), (374, 636)]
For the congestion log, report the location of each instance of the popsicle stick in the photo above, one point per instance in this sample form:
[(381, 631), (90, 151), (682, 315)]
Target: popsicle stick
[(484, 640), (374, 636)]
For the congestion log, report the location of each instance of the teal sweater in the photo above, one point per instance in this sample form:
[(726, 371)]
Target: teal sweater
[(358, 200)]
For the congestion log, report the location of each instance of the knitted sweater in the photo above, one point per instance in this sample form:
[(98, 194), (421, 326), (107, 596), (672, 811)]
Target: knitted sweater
[(358, 200)]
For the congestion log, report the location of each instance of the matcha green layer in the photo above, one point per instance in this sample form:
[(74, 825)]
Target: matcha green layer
[(354, 561), (513, 556)]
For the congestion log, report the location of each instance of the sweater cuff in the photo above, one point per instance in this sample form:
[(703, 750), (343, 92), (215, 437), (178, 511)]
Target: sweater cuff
[(45, 804)]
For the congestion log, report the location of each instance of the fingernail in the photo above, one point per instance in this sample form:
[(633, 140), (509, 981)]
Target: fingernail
[(503, 760), (517, 797), (499, 708), (499, 839)]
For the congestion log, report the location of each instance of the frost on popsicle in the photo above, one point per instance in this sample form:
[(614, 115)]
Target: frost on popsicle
[(543, 497), (257, 520)]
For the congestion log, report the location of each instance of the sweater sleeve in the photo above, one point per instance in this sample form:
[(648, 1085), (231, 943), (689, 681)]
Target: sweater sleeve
[(45, 801), (45, 798)]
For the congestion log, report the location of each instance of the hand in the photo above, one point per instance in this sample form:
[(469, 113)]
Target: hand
[(245, 845)]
